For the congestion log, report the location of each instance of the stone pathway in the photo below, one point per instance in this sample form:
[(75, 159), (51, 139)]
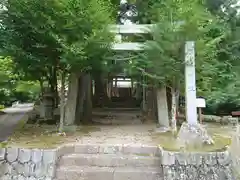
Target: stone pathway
[(123, 134), (136, 134), (10, 117)]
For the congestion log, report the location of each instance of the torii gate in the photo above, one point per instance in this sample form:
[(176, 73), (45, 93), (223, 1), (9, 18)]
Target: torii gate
[(190, 79)]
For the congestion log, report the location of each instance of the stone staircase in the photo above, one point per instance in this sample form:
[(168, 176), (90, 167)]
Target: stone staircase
[(110, 163), (117, 116)]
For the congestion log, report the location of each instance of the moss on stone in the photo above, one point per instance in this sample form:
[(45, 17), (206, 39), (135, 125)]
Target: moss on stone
[(168, 142)]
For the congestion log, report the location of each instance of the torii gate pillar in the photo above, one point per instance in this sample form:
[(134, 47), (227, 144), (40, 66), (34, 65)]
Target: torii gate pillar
[(190, 83)]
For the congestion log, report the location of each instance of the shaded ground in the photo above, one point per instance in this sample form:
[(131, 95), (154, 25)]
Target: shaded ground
[(47, 137)]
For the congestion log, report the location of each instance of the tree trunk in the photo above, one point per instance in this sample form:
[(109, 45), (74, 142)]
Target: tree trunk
[(100, 95), (151, 104), (132, 88), (87, 113), (163, 118), (81, 96), (173, 110), (111, 89), (62, 102), (139, 92), (41, 87), (72, 96), (53, 85)]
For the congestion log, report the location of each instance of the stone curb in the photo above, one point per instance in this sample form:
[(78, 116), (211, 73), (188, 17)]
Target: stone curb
[(195, 158)]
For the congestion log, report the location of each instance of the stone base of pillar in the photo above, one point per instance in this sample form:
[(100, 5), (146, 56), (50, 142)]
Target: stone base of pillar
[(193, 135)]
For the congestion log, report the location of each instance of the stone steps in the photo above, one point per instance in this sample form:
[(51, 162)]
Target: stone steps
[(109, 160), (117, 109), (117, 117), (108, 173), (128, 149)]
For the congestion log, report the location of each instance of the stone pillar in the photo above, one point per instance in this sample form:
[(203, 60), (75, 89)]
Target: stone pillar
[(190, 83), (162, 108), (47, 108)]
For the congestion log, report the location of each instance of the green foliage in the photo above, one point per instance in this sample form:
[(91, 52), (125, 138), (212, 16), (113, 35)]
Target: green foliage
[(84, 39), (68, 34), (214, 26), (226, 84), (178, 22), (11, 88), (47, 37)]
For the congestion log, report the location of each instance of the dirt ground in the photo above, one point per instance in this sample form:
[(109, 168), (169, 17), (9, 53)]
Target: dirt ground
[(47, 137)]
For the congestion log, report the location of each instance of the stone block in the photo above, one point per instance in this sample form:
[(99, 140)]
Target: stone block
[(141, 161), (65, 175), (48, 178), (109, 160), (181, 157), (66, 149), (138, 149), (12, 154), (27, 169), (168, 158), (6, 177), (103, 173), (49, 157), (24, 155), (77, 160), (11, 169), (110, 149), (19, 168), (137, 174), (42, 178), (89, 173), (39, 170), (31, 168), (31, 178), (2, 153), (210, 158), (169, 173), (223, 158), (51, 169), (152, 150), (195, 159), (21, 177), (3, 168), (37, 155), (87, 148)]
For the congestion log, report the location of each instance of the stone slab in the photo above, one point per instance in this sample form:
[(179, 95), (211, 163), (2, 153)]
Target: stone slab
[(109, 160)]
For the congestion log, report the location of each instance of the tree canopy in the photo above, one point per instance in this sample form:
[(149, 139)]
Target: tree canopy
[(213, 25), (44, 38)]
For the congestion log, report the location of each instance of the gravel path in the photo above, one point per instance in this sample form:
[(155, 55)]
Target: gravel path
[(123, 134), (138, 134)]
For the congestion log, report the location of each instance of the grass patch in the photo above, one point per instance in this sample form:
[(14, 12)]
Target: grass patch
[(169, 142), (45, 136)]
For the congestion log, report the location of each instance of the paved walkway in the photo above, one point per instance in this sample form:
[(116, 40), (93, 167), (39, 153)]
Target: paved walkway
[(10, 117)]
